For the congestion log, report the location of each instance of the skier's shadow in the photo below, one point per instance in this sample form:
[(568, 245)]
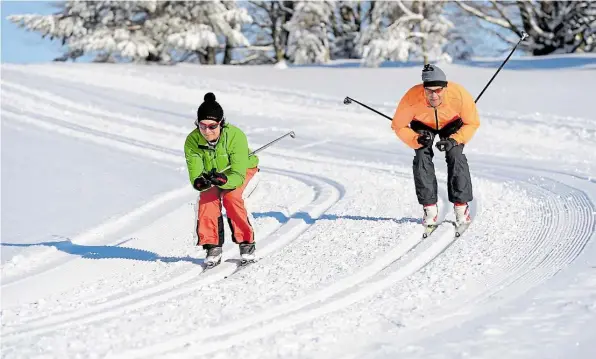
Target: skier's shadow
[(282, 218), (106, 252)]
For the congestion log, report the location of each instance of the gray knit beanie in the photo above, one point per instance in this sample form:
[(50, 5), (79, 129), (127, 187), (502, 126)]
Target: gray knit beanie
[(433, 76)]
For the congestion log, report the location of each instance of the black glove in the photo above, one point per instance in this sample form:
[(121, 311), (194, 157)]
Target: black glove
[(425, 138), (202, 183), (446, 145), (217, 178)]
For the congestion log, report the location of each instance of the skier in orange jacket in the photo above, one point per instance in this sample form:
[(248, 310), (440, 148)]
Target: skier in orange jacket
[(443, 108)]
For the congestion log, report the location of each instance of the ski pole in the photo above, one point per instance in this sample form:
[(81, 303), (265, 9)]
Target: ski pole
[(291, 134), (523, 37), (348, 100)]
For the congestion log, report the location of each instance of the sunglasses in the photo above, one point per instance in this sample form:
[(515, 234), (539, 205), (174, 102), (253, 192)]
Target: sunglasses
[(437, 91), (203, 126)]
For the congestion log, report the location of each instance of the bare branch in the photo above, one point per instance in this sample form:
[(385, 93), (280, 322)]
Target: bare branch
[(505, 17), (260, 4), (404, 8), (532, 18), (477, 12), (284, 8)]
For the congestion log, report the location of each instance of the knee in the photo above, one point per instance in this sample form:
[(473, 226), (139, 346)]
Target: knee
[(423, 154), (233, 198), (456, 153)]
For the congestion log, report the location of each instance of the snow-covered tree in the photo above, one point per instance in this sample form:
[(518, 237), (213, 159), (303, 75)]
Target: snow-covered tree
[(405, 30), (308, 40), (552, 26), (105, 27), (346, 26), (141, 30), (195, 26), (235, 18), (267, 32)]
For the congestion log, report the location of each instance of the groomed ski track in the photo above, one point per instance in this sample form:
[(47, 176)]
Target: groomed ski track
[(328, 178)]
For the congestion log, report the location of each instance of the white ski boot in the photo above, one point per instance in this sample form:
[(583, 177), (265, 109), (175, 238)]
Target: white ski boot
[(213, 257), (247, 253), (430, 218), (462, 218)]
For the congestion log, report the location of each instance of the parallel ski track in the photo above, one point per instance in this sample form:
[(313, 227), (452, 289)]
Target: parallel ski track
[(59, 321), (380, 265), (327, 193), (545, 260), (563, 231), (326, 300)]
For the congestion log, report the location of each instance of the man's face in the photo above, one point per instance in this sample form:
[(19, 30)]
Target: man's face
[(210, 129), (434, 95)]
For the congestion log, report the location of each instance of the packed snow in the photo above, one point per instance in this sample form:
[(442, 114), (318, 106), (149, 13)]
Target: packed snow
[(99, 255)]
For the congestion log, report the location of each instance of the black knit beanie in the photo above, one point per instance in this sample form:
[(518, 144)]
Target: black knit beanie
[(210, 109)]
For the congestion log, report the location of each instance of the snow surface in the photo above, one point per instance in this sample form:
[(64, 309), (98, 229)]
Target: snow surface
[(98, 250)]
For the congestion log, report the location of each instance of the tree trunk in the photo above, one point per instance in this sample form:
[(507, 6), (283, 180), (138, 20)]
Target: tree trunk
[(207, 57), (285, 34), (227, 53), (202, 56), (153, 57), (211, 55), (274, 17)]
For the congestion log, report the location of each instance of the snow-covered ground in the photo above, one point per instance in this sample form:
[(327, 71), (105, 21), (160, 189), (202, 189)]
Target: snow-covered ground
[(99, 255)]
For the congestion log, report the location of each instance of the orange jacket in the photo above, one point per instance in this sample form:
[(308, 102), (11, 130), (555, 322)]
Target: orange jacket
[(457, 103)]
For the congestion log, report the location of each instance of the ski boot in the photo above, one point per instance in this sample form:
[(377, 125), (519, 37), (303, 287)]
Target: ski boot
[(462, 218), (213, 257), (429, 220), (247, 253)]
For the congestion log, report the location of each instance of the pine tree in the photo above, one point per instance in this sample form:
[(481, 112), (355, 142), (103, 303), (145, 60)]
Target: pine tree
[(268, 33), (147, 31), (308, 40), (198, 27), (346, 26), (403, 31), (107, 28)]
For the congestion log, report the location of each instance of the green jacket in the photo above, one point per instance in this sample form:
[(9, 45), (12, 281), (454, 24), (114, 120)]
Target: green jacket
[(231, 149)]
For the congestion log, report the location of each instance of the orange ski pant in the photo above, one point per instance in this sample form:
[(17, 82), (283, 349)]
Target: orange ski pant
[(210, 226)]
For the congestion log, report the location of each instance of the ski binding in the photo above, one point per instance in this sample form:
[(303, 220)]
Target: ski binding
[(211, 264), (459, 230), (428, 230)]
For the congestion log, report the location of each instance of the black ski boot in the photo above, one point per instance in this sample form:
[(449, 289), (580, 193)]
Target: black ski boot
[(213, 257), (247, 253)]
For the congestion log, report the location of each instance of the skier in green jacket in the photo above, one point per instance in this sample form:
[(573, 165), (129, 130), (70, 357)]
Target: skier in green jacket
[(220, 167)]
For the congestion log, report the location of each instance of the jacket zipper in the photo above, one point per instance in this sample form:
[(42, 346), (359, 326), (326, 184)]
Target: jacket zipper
[(436, 118)]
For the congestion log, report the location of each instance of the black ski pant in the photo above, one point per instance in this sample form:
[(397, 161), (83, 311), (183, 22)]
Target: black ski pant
[(459, 182)]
